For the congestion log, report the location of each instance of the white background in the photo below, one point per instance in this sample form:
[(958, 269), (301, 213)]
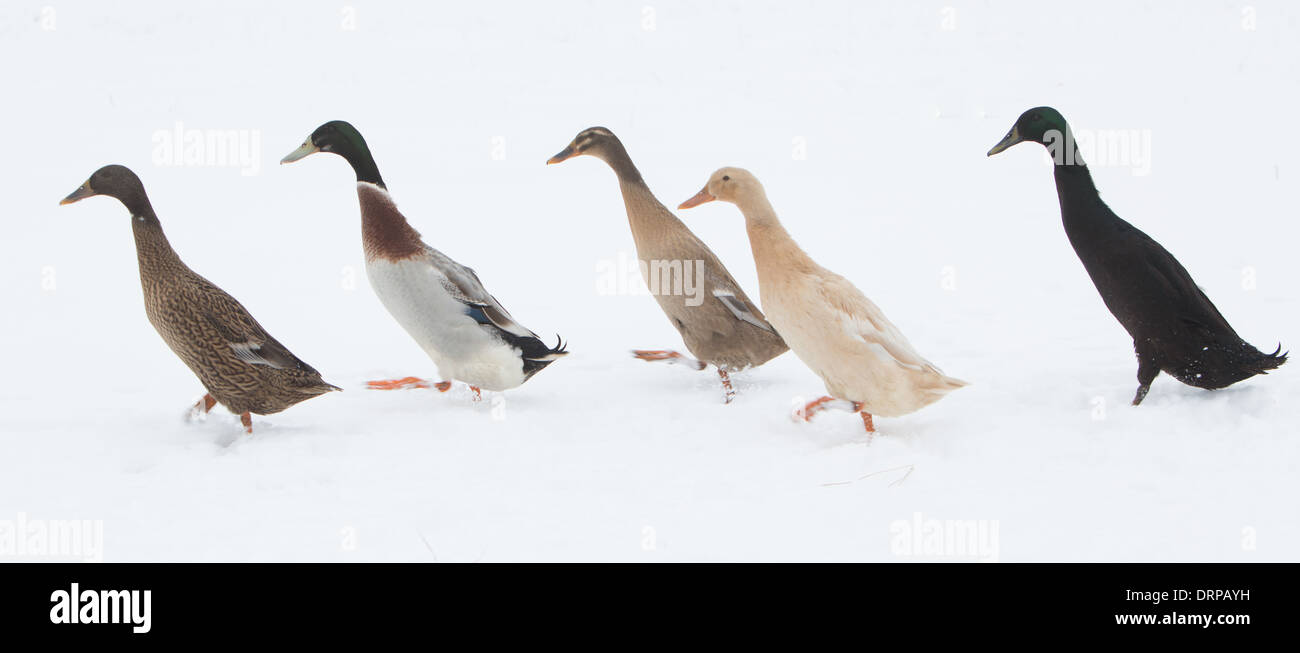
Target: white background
[(601, 457)]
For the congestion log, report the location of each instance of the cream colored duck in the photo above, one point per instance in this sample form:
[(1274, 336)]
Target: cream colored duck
[(718, 322), (867, 364)]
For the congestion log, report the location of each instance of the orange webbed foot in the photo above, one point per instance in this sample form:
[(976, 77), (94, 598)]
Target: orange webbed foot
[(201, 407), (667, 356), (818, 405), (398, 384)]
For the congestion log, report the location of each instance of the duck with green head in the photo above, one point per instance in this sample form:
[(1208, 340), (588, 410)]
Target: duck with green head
[(242, 367), (442, 304), (1174, 325)]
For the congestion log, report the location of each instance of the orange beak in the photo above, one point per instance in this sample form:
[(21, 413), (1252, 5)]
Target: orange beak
[(700, 198), (567, 153)]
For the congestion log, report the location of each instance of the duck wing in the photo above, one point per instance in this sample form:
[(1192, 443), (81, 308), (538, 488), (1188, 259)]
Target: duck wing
[(1149, 291), (1193, 305), (728, 292), (463, 285), (860, 318), (247, 340)]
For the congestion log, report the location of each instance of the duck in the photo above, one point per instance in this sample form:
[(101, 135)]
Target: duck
[(866, 363), (440, 303), (1174, 326), (240, 365), (718, 323)]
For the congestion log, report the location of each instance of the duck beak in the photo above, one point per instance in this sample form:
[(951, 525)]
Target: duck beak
[(700, 198), (1007, 141), (306, 149), (567, 153), (81, 193)]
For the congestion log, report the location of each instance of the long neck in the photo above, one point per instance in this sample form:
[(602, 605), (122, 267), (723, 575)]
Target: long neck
[(771, 244), (1081, 207), (655, 230), (646, 215), (364, 165), (385, 233), (616, 156), (158, 261)]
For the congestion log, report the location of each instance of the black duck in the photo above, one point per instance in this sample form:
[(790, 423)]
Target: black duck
[(1175, 327)]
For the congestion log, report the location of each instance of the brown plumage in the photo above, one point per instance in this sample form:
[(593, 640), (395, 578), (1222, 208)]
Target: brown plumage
[(385, 233), (725, 329), (240, 364)]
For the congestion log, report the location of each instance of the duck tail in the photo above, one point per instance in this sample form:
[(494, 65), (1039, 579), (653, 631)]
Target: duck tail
[(539, 356), (560, 349), (1257, 362), (317, 386), (948, 384), (1222, 366)]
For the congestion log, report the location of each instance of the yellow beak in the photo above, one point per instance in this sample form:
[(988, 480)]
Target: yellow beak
[(303, 151), (1010, 139)]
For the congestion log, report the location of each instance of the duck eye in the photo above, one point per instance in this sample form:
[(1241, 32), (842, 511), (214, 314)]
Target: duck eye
[(726, 177)]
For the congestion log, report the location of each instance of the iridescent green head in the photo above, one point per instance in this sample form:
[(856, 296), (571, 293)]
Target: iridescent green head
[(1043, 125), (341, 138)]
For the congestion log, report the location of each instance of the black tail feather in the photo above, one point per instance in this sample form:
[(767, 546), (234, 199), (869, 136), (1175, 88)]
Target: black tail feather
[(537, 355), (1272, 361), (1223, 365)]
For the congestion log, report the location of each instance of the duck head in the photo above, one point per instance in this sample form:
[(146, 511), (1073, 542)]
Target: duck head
[(114, 181), (594, 141), (341, 138), (733, 185), (1043, 125)]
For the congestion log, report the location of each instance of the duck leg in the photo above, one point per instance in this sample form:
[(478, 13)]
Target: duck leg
[(817, 405), (247, 420), (1148, 370), (444, 386), (202, 406), (398, 384), (867, 421), (668, 356), (727, 388)]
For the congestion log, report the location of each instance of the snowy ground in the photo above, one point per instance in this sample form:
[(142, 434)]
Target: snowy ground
[(601, 457)]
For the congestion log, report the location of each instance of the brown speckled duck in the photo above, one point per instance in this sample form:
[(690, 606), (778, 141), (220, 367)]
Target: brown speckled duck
[(242, 367), (719, 325)]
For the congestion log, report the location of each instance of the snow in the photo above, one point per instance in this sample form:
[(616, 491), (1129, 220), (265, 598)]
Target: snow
[(869, 127)]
